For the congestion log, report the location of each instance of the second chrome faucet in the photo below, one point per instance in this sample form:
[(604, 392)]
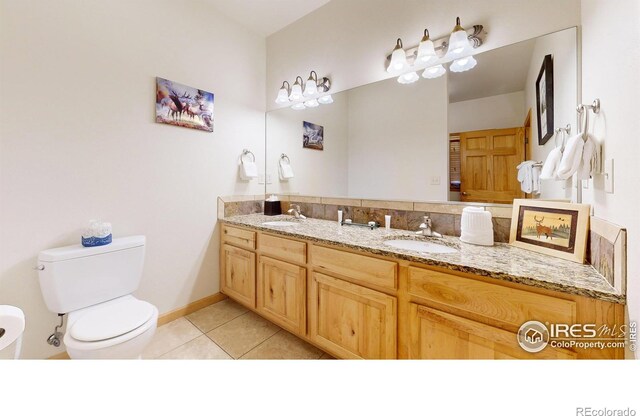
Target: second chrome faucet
[(426, 228), (295, 211)]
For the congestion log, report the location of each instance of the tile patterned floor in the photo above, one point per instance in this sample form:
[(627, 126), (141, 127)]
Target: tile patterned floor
[(227, 330)]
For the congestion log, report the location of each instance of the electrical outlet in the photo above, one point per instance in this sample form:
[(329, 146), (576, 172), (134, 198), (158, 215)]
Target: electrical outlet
[(435, 180), (585, 184), (261, 180), (608, 176)]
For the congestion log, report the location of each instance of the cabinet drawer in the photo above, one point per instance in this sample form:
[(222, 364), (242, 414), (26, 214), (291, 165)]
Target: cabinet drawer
[(503, 304), (370, 270), (239, 237), (283, 248)]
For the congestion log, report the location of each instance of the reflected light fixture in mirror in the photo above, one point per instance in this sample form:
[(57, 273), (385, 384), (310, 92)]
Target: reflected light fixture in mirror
[(398, 59), (314, 94), (296, 90), (311, 86), (283, 93)]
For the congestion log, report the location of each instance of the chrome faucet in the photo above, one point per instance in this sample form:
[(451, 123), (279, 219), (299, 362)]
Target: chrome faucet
[(426, 228), (295, 210)]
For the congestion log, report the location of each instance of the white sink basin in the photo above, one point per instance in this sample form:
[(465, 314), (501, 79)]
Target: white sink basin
[(421, 246), (280, 223)]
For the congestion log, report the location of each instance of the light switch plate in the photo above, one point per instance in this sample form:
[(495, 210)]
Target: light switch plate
[(608, 176), (435, 180)]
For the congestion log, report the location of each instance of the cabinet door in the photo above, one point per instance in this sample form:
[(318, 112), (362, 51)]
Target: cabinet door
[(238, 279), (352, 321), (282, 293), (436, 334)]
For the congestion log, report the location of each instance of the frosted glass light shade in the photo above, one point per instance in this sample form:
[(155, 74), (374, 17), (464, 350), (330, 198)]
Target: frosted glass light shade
[(408, 78), (426, 53), (311, 103), (298, 106), (434, 72), (283, 96), (310, 88), (398, 61), (459, 45), (463, 64), (325, 99), (296, 92)]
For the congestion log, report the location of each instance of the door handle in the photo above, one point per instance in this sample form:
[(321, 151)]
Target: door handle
[(464, 194)]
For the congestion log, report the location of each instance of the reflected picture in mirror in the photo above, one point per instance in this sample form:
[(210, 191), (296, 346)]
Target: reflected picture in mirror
[(544, 98), (312, 136), (456, 138)]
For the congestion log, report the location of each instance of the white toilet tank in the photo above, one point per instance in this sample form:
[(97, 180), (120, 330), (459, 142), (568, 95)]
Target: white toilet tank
[(75, 277)]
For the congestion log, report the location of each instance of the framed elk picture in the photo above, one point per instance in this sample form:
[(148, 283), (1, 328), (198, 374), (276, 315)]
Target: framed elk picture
[(183, 106), (558, 229)]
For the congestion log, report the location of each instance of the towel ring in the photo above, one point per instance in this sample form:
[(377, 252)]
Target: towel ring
[(566, 131), (285, 157), (583, 109), (247, 152)]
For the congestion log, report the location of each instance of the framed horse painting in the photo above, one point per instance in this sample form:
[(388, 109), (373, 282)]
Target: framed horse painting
[(558, 229)]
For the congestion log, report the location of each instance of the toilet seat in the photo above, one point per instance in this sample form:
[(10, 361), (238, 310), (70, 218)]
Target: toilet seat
[(109, 323)]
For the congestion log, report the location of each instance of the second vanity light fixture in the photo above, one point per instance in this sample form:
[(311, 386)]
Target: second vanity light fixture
[(305, 94), (431, 55)]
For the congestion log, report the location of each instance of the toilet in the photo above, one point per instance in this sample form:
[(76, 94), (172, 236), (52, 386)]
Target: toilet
[(94, 286)]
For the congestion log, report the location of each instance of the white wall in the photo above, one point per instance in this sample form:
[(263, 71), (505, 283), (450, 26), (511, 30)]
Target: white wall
[(398, 140), (562, 45), (316, 172), (78, 139), (611, 72), (349, 39), (496, 112)]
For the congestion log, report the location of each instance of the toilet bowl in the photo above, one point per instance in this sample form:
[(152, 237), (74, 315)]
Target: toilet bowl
[(120, 328)]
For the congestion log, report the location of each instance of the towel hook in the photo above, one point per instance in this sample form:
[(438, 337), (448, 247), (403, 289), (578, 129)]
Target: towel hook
[(247, 152), (285, 157)]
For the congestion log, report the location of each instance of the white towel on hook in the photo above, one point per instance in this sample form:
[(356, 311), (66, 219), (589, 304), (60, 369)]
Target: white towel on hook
[(529, 177), (285, 170), (571, 157), (550, 167), (588, 161), (248, 170)]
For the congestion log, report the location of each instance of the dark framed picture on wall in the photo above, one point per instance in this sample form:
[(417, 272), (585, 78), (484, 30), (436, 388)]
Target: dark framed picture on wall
[(544, 100)]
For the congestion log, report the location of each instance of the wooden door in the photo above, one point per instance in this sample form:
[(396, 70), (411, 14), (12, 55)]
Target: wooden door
[(281, 294), (438, 335), (352, 321), (488, 165), (239, 275)]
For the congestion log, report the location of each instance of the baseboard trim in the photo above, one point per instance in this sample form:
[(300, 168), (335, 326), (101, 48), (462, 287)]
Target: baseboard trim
[(165, 318), (190, 308)]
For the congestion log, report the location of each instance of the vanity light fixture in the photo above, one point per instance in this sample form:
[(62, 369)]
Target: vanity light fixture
[(463, 64), (408, 78), (432, 54), (426, 50), (434, 72), (296, 90), (398, 59), (283, 93), (459, 45), (312, 95)]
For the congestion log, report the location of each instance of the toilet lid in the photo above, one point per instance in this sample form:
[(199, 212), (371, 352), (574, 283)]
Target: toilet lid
[(111, 319)]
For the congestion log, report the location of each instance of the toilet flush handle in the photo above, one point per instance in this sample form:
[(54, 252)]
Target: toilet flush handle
[(39, 267)]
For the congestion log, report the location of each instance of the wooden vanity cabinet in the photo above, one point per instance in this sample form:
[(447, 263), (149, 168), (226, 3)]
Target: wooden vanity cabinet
[(356, 305), (238, 277), (281, 294), (352, 321)]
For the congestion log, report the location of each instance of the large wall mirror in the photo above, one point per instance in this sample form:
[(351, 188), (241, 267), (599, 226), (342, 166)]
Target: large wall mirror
[(459, 137)]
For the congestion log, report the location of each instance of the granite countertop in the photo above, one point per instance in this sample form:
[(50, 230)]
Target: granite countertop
[(500, 261)]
